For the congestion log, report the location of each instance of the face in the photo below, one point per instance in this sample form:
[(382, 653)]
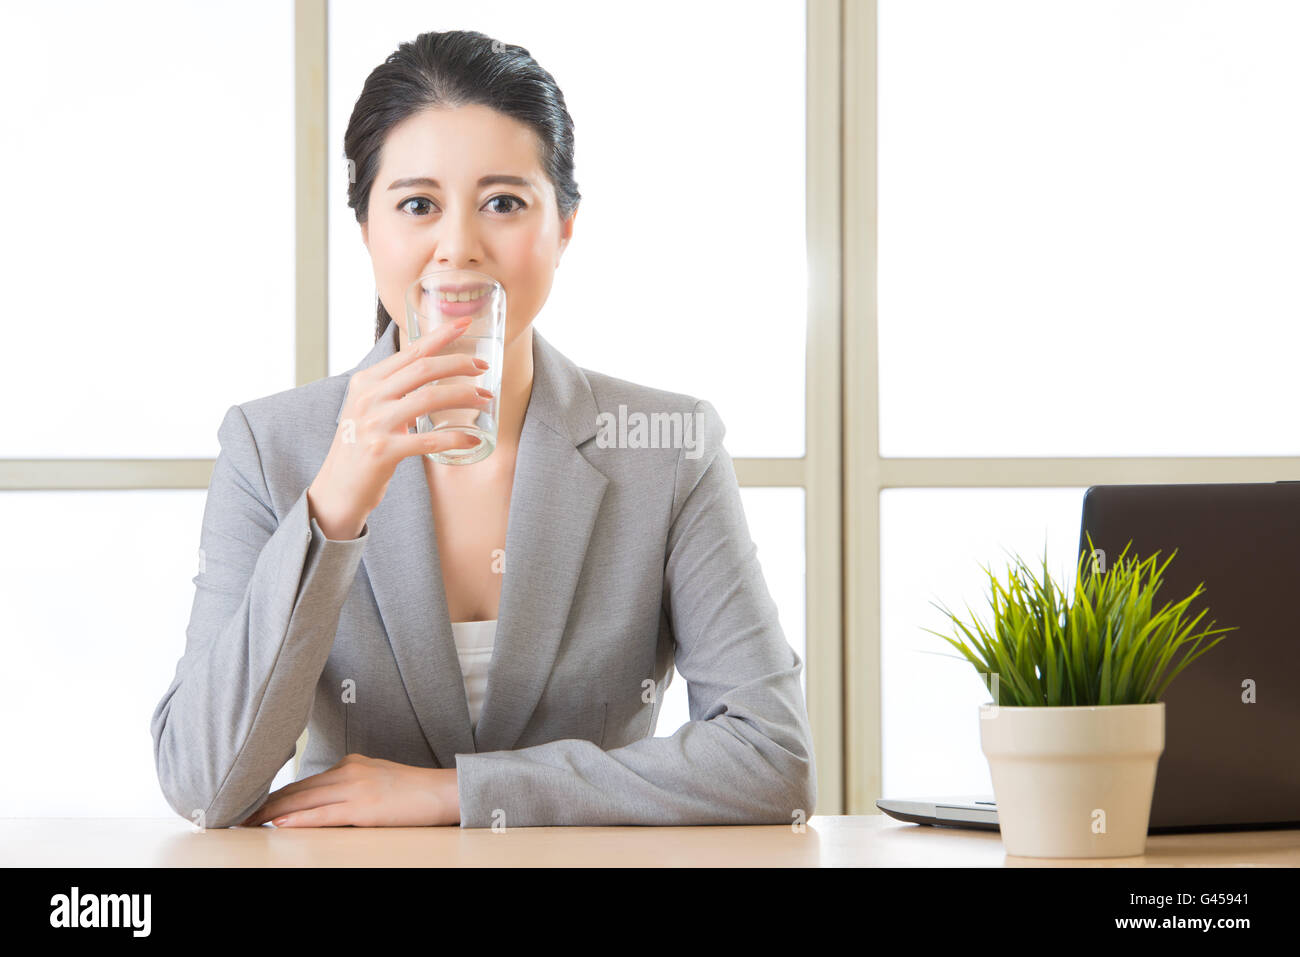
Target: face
[(509, 230)]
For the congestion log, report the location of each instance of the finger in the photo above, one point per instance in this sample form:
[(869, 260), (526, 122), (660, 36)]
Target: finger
[(266, 811), (257, 817), (445, 395), (330, 815), (441, 334), (429, 369), (305, 800), (313, 780), (426, 345), (330, 775), (442, 440)]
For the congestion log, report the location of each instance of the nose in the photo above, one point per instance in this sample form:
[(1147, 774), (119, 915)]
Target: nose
[(456, 243), (449, 262)]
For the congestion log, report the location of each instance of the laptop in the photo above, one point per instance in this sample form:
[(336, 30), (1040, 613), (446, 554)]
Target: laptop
[(1227, 764)]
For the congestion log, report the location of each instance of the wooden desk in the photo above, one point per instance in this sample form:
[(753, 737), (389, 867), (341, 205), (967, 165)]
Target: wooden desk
[(828, 841)]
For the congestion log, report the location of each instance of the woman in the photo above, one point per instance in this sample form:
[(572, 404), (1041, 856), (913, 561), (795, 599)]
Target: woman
[(484, 644)]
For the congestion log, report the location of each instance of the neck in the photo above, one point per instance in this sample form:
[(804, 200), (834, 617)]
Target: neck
[(516, 390)]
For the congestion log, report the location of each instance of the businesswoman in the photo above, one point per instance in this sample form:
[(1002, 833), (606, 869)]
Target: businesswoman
[(485, 644)]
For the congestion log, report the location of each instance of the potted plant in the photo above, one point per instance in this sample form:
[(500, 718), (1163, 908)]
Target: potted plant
[(1076, 725)]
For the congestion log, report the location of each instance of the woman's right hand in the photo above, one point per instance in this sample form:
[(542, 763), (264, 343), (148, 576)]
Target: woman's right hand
[(382, 402)]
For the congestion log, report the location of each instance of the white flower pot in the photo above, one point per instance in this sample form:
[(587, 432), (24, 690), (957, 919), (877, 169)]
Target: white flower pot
[(1073, 781)]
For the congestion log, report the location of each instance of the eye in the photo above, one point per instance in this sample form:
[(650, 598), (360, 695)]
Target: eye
[(414, 199), (495, 199), (508, 196)]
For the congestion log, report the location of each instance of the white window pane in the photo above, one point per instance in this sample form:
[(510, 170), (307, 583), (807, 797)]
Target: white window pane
[(932, 544), (1086, 219), (776, 524), (149, 243), (96, 589), (687, 269)]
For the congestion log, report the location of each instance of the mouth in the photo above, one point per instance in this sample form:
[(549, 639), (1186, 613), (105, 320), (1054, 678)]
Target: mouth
[(462, 293)]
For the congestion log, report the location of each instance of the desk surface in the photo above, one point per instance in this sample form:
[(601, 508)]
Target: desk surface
[(873, 840)]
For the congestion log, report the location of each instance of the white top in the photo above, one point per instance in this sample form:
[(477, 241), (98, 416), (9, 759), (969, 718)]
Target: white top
[(474, 641)]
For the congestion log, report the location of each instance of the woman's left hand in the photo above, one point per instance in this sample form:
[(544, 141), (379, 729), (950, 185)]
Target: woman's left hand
[(364, 792)]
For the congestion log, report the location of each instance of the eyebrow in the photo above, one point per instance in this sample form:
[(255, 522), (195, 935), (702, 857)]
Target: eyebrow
[(488, 180)]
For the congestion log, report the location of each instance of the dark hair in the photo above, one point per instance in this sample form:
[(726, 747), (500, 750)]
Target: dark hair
[(451, 69)]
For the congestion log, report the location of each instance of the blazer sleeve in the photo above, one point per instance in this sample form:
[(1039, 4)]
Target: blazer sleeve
[(267, 600), (746, 755)]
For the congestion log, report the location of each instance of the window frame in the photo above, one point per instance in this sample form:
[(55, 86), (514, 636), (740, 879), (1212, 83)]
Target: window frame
[(818, 471), (866, 473)]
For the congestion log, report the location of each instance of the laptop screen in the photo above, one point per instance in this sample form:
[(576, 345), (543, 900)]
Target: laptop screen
[(1232, 716)]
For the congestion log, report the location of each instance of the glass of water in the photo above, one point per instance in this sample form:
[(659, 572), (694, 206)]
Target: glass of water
[(445, 296)]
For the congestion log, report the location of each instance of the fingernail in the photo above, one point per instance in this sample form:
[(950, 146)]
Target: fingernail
[(484, 392), (481, 363)]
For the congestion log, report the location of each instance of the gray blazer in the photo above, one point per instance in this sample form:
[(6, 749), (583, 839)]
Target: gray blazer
[(619, 561)]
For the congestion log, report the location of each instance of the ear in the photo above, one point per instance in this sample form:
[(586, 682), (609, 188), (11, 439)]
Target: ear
[(566, 233)]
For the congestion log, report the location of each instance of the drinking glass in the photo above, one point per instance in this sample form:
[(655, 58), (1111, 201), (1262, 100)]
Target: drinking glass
[(444, 296)]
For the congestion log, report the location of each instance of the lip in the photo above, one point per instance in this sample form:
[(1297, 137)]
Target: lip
[(456, 287), (457, 309)]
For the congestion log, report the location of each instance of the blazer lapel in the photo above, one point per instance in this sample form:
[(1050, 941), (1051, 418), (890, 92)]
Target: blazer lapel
[(553, 504)]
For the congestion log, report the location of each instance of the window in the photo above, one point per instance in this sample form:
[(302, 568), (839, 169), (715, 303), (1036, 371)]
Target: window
[(1070, 252)]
